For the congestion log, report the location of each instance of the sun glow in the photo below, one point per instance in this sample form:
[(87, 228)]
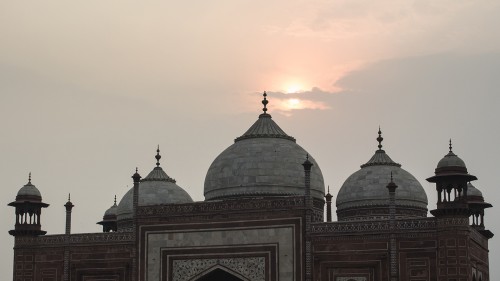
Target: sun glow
[(294, 104), (293, 89)]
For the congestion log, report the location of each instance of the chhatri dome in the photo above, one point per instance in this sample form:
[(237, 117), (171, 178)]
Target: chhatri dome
[(451, 160), (364, 194), (157, 188), (264, 161), (29, 191)]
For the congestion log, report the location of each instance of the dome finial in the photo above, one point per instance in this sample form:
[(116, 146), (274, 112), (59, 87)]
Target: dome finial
[(158, 156), (265, 102), (115, 201), (69, 197), (451, 147), (379, 139), (29, 178)]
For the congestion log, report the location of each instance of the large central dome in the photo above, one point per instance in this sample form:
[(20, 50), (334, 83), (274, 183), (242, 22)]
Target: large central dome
[(264, 161)]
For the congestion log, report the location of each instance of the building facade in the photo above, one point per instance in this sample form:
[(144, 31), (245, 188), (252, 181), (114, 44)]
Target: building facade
[(267, 217)]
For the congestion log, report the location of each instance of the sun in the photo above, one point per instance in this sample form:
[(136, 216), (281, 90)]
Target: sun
[(294, 104), (293, 89)]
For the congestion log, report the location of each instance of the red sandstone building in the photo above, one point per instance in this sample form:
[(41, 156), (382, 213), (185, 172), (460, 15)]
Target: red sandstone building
[(263, 220)]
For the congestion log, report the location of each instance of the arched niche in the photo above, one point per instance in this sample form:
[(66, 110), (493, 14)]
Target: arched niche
[(219, 273)]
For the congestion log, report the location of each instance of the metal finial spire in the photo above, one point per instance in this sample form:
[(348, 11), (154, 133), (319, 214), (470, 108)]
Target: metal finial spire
[(29, 178), (158, 156), (328, 188), (379, 139), (136, 169), (265, 102), (115, 200), (69, 197), (391, 177), (451, 150), (307, 156)]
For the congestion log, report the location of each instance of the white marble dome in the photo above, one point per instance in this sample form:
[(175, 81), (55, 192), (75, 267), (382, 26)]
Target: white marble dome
[(264, 161), (367, 189), (157, 188)]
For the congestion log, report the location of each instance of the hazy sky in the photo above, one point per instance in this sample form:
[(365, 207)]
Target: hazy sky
[(89, 89)]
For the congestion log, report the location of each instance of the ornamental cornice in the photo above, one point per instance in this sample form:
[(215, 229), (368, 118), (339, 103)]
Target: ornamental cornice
[(85, 238), (296, 202), (373, 226)]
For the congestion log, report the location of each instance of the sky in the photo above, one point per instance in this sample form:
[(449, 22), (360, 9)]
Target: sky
[(89, 89)]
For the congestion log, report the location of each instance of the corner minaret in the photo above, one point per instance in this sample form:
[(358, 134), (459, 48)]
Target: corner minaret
[(452, 217), (28, 206)]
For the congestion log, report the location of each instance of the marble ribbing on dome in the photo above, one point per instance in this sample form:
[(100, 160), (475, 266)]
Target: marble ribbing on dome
[(265, 127), (380, 158), (157, 174)]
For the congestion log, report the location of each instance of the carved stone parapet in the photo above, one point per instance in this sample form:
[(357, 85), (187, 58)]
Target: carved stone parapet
[(86, 238), (373, 226)]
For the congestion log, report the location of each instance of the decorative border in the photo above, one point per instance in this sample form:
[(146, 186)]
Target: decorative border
[(373, 226), (86, 238), (217, 206)]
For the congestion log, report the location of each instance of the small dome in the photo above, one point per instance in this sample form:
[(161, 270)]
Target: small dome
[(264, 161), (111, 212), (157, 188), (29, 191), (451, 160), (364, 194), (473, 191)]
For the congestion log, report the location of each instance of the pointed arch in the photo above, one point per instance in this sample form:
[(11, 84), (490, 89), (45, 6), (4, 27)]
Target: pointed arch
[(219, 272)]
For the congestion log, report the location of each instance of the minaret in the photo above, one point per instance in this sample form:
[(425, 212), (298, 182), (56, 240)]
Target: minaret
[(308, 205), (69, 206), (67, 255), (28, 206), (328, 198), (392, 225), (451, 178), (452, 214), (137, 178)]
